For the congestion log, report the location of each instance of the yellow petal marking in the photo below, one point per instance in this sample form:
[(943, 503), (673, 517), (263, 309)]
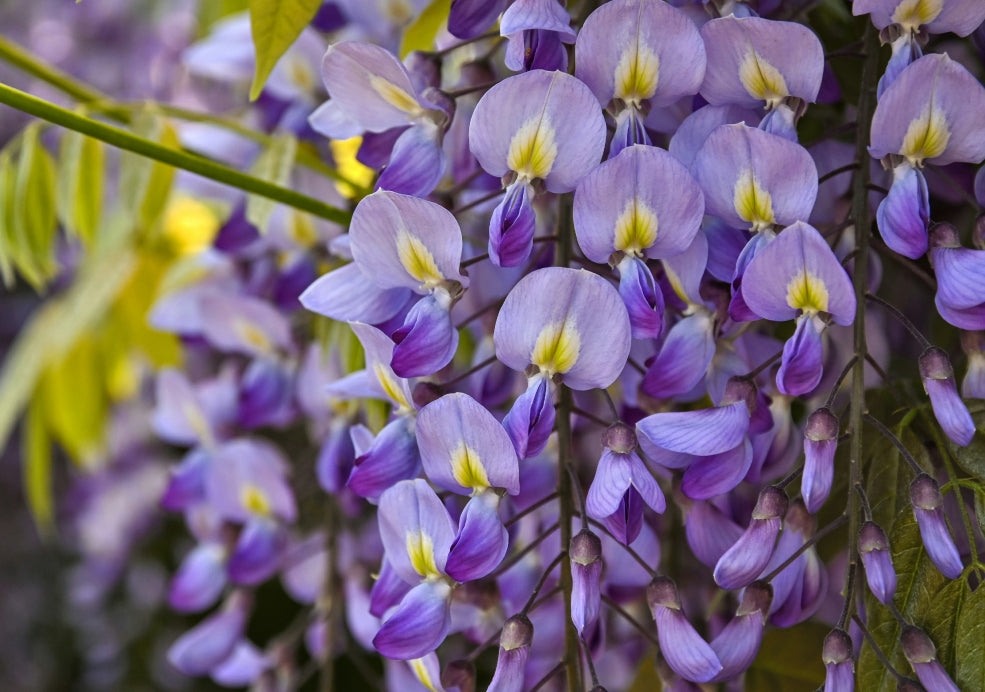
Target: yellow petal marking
[(927, 136), (636, 227), (249, 333), (420, 549), (467, 468), (556, 349), (421, 671), (395, 96), (760, 79), (417, 259), (254, 500), (533, 149), (753, 204), (637, 74), (193, 414), (390, 385), (807, 292), (910, 14)]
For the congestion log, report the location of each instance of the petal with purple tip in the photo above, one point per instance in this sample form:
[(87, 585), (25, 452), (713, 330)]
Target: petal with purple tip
[(199, 580), (802, 363), (392, 457), (704, 432), (427, 340), (512, 226), (416, 163), (348, 295), (530, 420), (683, 359), (258, 551), (418, 625), (481, 542), (904, 214), (960, 276), (708, 476)]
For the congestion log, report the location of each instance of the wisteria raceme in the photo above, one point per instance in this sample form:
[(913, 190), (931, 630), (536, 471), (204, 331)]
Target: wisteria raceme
[(525, 323)]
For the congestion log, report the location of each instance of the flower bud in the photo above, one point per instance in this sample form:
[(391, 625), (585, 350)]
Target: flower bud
[(873, 546), (685, 651), (745, 560), (514, 648), (949, 409), (586, 574), (927, 501), (426, 392), (820, 444), (922, 656), (459, 673), (944, 235), (838, 663), (620, 438), (737, 645)]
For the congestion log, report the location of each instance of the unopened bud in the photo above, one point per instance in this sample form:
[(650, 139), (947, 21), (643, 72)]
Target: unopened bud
[(518, 632), (944, 235), (586, 548), (620, 438), (662, 592), (426, 392), (459, 673), (935, 365), (822, 425), (837, 647), (917, 646), (756, 598), (925, 493), (771, 504), (740, 389)]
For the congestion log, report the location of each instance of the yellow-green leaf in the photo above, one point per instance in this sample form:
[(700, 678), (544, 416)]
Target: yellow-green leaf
[(273, 165), (969, 646), (80, 184), (34, 210), (275, 25), (75, 400), (422, 31), (37, 469), (145, 184), (6, 215)]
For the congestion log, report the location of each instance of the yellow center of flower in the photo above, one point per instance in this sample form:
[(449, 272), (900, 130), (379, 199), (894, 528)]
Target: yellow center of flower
[(910, 14), (532, 149), (927, 136), (761, 80), (418, 260), (467, 468), (253, 336), (189, 225), (420, 549), (395, 96), (636, 227), (254, 500), (753, 204), (637, 74), (390, 385), (807, 292), (556, 349)]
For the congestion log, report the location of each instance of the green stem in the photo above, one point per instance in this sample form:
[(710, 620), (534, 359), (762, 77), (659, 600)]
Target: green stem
[(565, 488), (862, 222), (14, 55), (172, 157)]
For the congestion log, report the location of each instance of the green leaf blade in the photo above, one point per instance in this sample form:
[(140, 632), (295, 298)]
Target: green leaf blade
[(276, 25), (420, 34)]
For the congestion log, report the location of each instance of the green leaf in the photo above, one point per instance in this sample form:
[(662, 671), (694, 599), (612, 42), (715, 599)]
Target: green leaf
[(275, 25), (37, 469), (972, 457), (55, 327), (6, 216), (273, 165), (789, 660), (422, 31), (145, 184), (924, 596), (80, 184), (77, 422), (34, 210), (969, 646)]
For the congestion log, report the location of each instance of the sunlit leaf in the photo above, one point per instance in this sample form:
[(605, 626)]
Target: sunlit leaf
[(37, 469), (34, 209), (276, 24), (420, 34), (6, 216), (80, 184), (789, 660), (273, 165), (145, 184), (75, 400)]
